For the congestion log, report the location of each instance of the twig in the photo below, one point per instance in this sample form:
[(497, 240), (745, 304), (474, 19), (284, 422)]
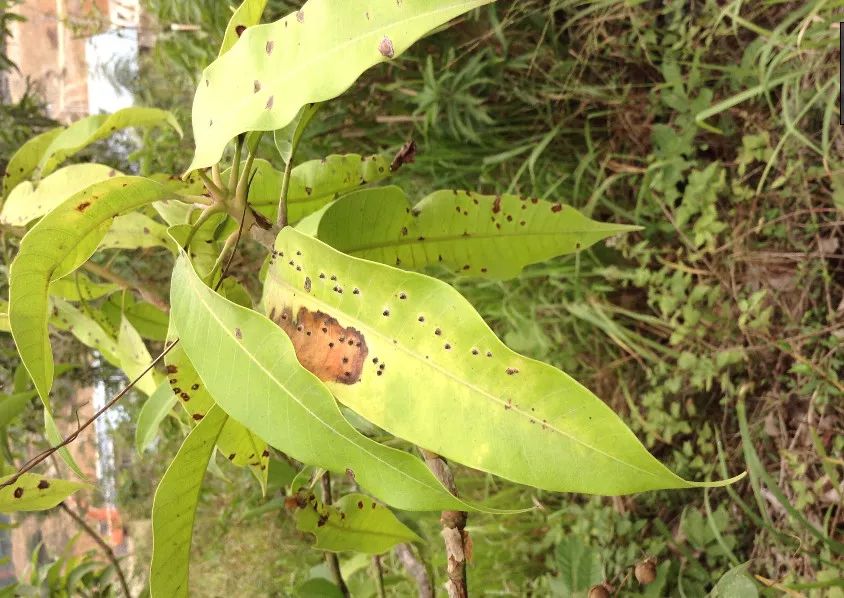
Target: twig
[(43, 456), (379, 576), (102, 544), (330, 557), (148, 294), (455, 536), (281, 218), (416, 569)]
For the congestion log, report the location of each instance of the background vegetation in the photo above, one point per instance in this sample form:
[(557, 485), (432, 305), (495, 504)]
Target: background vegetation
[(716, 331)]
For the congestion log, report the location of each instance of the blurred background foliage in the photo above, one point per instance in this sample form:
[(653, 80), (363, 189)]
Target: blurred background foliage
[(711, 124)]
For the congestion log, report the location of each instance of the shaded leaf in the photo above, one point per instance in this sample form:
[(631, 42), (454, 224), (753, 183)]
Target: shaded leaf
[(153, 412), (355, 522), (86, 131), (13, 405), (493, 236), (309, 56), (135, 231), (26, 202), (32, 492), (85, 328), (174, 508), (250, 369), (287, 139), (429, 370), (59, 243)]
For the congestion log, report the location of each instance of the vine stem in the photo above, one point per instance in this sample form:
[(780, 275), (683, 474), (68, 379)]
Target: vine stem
[(455, 536), (331, 557), (101, 543)]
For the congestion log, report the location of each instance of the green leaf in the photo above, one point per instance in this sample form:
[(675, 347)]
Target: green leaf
[(59, 243), (319, 587), (578, 567), (247, 14), (135, 358), (735, 583), (85, 328), (236, 443), (494, 236), (309, 56), (251, 370), (25, 160), (80, 287), (5, 325), (87, 130), (313, 184), (148, 320), (12, 406), (33, 492), (27, 202), (153, 412), (287, 139), (174, 508), (429, 370), (355, 522), (135, 231)]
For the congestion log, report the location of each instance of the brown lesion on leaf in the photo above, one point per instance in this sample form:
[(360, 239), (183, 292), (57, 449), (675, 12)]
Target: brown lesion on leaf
[(83, 206), (324, 347)]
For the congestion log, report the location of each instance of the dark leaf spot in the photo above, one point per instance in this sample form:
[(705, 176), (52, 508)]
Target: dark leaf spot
[(43, 485), (496, 205), (198, 416), (256, 86), (18, 492), (556, 207), (238, 334), (83, 206), (386, 48), (269, 103), (239, 30), (269, 47)]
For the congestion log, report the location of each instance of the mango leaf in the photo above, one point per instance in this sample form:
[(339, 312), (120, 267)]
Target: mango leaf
[(250, 368), (93, 128), (4, 317), (80, 287), (32, 492), (494, 236), (135, 358), (240, 446), (247, 14), (410, 354), (27, 202), (85, 328), (135, 231), (174, 508), (25, 160), (287, 139), (147, 319), (59, 243), (309, 56), (355, 522), (313, 184), (13, 405), (155, 409)]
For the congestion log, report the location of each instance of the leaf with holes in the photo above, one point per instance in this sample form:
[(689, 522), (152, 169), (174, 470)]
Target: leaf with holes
[(309, 56), (33, 492), (313, 184), (86, 131), (247, 14), (354, 523), (58, 244), (25, 160), (155, 409), (26, 202), (250, 368), (411, 355), (174, 508), (236, 443), (493, 236)]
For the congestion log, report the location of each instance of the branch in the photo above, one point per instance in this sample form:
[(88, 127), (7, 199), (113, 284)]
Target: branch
[(148, 294), (458, 546), (416, 569), (379, 576), (331, 557), (102, 544)]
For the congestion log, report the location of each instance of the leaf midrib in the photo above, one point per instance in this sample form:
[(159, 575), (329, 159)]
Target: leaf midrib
[(459, 380)]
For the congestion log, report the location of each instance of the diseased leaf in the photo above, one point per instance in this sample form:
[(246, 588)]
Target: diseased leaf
[(25, 160), (153, 412), (429, 370), (58, 244), (135, 358), (32, 492), (26, 202), (236, 443), (135, 231), (80, 287), (308, 56), (86, 131), (355, 522), (313, 184), (493, 236), (174, 508), (249, 367), (247, 14), (85, 328)]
